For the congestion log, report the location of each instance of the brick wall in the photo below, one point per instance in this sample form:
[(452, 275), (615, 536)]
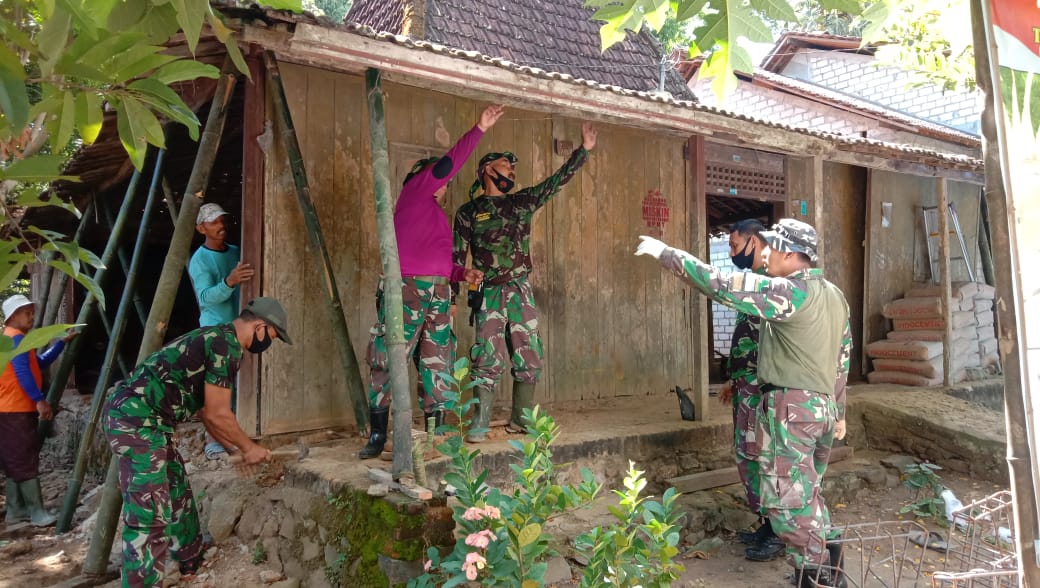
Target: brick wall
[(857, 75), (722, 317)]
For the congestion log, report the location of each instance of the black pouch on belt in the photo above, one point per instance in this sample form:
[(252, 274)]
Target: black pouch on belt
[(475, 301)]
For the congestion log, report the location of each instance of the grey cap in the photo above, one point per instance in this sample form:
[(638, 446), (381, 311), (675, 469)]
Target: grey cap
[(790, 234), (209, 212), (271, 311)]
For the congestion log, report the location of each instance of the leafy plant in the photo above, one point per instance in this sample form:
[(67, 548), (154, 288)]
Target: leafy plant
[(638, 550), (501, 535), (259, 553), (926, 489)]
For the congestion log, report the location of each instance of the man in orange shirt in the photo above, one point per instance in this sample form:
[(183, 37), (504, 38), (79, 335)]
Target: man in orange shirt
[(22, 405)]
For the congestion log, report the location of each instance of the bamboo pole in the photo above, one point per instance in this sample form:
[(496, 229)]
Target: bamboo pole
[(162, 304), (124, 263), (985, 245), (51, 307), (945, 286), (1017, 402), (287, 134), (115, 338), (71, 354), (396, 344), (45, 288)]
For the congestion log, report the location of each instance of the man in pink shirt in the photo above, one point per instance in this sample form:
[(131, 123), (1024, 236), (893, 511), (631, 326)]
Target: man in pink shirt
[(424, 244)]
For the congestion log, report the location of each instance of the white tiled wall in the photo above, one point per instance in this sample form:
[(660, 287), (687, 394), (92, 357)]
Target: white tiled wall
[(722, 317)]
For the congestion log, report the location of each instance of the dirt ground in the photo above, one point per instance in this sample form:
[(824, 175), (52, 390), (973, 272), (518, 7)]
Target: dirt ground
[(30, 558)]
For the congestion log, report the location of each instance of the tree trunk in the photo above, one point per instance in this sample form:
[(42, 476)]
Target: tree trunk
[(287, 134), (396, 345)]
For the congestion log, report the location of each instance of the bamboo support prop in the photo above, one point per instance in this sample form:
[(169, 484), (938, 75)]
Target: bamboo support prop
[(124, 263), (162, 304), (1017, 401), (45, 288), (287, 134), (51, 305), (396, 344), (68, 508), (71, 354)]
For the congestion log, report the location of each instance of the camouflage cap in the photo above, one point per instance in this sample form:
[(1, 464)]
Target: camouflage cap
[(793, 235), (272, 312)]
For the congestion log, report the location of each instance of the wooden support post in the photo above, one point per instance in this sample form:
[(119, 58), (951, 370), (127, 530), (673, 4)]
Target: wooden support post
[(68, 359), (1018, 401), (45, 288), (392, 305), (124, 263), (287, 134), (51, 304), (114, 340), (944, 278), (162, 304), (700, 313), (818, 206)]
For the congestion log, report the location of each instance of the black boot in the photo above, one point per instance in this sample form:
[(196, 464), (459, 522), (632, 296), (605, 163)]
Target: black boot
[(380, 418), (768, 550), (438, 420), (837, 559), (759, 535)]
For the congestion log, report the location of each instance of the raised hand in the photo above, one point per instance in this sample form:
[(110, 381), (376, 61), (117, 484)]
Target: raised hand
[(650, 246), (490, 116), (588, 135), (242, 273)]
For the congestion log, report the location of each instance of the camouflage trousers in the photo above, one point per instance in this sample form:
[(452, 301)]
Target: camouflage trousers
[(791, 442), (507, 325), (427, 326), (746, 400), (159, 513)]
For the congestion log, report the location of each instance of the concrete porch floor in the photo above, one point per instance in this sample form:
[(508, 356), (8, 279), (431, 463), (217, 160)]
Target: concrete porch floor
[(951, 427)]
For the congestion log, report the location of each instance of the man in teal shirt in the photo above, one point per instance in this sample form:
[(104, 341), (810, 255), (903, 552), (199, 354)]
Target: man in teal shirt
[(216, 272)]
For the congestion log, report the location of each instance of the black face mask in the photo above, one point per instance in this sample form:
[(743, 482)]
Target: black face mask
[(260, 345), (744, 260), (503, 183)]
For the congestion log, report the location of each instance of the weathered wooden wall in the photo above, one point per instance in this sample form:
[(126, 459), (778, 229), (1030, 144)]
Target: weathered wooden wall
[(613, 324), (896, 255), (843, 227)]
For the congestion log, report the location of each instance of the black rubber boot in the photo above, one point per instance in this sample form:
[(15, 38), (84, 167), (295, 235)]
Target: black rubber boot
[(16, 510), (438, 420), (768, 550), (523, 397), (834, 552), (380, 418), (763, 533)]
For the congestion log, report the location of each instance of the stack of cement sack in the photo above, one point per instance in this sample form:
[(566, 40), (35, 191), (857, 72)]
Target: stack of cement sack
[(912, 353)]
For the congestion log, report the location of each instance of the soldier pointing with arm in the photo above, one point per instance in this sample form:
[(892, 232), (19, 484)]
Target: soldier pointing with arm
[(496, 229), (803, 363)]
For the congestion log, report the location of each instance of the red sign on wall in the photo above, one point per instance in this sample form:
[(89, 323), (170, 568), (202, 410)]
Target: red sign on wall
[(655, 212)]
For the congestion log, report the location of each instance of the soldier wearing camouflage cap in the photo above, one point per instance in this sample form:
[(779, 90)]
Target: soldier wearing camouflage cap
[(193, 374), (803, 362), (496, 229)]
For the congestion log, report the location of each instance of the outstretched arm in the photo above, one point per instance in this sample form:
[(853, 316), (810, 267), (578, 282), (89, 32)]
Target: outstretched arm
[(539, 195), (774, 299)]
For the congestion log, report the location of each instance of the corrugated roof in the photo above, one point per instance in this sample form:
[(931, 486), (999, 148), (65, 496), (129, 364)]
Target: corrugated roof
[(557, 35), (790, 41)]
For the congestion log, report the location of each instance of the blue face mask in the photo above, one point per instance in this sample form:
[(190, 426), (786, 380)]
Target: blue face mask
[(744, 260)]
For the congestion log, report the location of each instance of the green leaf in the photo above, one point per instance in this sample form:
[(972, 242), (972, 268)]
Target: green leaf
[(184, 70), (135, 69), (66, 122), (98, 55), (160, 97), (54, 35), (125, 15), (131, 131), (41, 336), (655, 12), (38, 168), (851, 7), (293, 5), (775, 9), (236, 57), (159, 24), (689, 9), (81, 279), (190, 16), (89, 116), (81, 15), (14, 101), (529, 535), (877, 16)]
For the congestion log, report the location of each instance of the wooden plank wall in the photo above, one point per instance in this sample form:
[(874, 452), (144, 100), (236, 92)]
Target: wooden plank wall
[(613, 324), (843, 228), (896, 256)]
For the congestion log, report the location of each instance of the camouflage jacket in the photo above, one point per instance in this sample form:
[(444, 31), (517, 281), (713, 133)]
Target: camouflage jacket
[(743, 350), (769, 298), (169, 385), (497, 229)]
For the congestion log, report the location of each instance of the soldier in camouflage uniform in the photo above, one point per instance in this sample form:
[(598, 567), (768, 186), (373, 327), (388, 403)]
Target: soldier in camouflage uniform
[(496, 229), (746, 245), (804, 350), (193, 374), (424, 244)]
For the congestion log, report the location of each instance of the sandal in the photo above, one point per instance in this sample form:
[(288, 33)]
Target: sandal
[(934, 541), (214, 450)]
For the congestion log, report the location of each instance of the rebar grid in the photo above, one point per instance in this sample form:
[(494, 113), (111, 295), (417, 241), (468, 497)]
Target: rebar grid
[(982, 546)]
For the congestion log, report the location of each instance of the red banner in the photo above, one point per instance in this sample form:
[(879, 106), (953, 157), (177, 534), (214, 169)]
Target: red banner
[(1016, 27)]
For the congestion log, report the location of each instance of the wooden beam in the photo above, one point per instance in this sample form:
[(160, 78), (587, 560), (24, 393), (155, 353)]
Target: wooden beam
[(819, 218), (944, 279), (696, 183), (727, 476), (348, 52)]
